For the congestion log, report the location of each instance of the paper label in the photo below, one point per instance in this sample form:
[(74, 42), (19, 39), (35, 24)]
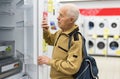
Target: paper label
[(9, 67)]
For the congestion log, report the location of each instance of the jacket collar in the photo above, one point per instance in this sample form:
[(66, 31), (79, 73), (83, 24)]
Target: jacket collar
[(70, 30)]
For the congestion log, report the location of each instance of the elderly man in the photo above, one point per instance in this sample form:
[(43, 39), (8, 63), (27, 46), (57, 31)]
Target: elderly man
[(64, 62)]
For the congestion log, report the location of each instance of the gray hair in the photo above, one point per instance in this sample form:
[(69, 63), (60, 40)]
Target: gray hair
[(72, 10)]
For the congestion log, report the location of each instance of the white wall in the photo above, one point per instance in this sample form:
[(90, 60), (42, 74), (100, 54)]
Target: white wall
[(94, 4)]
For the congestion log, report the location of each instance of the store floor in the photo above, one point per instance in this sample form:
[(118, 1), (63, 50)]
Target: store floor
[(109, 67)]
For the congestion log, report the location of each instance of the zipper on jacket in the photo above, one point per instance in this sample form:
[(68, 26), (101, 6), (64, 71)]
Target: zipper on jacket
[(63, 49), (57, 39)]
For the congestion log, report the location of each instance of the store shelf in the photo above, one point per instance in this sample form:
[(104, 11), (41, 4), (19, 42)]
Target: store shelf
[(104, 55)]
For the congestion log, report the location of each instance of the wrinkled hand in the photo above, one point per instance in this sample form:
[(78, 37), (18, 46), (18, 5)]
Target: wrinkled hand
[(45, 24), (43, 60)]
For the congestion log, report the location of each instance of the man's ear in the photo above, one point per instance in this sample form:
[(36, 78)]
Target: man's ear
[(72, 19)]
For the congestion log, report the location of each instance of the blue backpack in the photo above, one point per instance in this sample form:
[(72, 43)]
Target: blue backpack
[(88, 69)]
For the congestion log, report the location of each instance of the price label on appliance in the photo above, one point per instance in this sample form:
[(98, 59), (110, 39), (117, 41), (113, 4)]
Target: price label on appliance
[(9, 67)]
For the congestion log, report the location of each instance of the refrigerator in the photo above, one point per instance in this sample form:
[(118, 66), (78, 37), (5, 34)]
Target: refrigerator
[(20, 22)]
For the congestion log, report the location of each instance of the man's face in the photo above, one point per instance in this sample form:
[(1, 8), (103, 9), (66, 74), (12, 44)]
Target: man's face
[(63, 19)]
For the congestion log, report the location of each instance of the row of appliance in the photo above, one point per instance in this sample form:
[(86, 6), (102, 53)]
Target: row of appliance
[(102, 46), (102, 25)]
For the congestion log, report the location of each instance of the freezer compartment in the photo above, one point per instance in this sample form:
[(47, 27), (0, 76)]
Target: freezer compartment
[(9, 67), (7, 49)]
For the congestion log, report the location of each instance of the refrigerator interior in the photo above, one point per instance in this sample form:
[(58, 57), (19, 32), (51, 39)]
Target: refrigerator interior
[(18, 23)]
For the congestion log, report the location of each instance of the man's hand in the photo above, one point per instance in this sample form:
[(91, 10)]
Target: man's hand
[(43, 60), (45, 24)]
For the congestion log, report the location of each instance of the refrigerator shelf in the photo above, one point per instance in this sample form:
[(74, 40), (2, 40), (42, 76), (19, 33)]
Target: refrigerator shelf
[(5, 1), (7, 13), (20, 3), (6, 28)]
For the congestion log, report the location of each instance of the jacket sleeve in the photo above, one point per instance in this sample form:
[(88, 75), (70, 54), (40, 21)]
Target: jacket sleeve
[(49, 37), (73, 62)]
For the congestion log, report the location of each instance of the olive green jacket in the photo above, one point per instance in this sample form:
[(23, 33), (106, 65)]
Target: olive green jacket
[(65, 62)]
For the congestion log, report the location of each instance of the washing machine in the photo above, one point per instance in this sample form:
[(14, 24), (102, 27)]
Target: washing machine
[(101, 26), (90, 26), (90, 45), (101, 46), (114, 26), (113, 46)]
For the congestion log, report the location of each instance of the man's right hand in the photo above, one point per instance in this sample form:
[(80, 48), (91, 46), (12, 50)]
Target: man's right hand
[(45, 24)]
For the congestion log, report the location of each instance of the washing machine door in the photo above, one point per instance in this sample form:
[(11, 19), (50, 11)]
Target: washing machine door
[(114, 25), (114, 45), (90, 44), (91, 25), (101, 25), (101, 45), (91, 48)]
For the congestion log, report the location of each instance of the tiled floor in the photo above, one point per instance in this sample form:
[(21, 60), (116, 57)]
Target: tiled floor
[(109, 67)]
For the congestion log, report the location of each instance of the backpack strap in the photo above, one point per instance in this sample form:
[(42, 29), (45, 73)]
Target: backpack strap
[(75, 33), (84, 50)]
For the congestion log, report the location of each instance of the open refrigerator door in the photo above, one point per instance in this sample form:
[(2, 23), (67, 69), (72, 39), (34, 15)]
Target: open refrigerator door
[(33, 44)]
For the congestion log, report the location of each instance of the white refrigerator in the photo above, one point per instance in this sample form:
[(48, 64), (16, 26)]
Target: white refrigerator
[(20, 21)]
